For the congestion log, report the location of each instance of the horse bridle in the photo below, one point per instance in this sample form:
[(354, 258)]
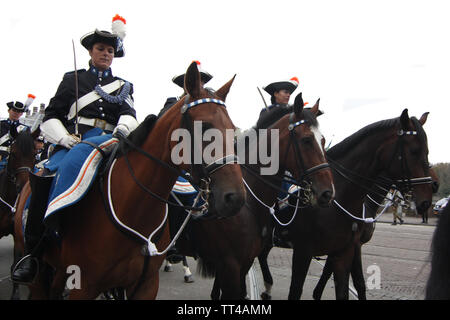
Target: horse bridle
[(11, 175), (203, 171), (406, 183), (293, 140), (305, 186)]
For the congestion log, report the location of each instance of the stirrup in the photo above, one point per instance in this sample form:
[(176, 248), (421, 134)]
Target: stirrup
[(24, 258)]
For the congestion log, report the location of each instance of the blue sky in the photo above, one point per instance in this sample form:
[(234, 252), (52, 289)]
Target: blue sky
[(366, 60)]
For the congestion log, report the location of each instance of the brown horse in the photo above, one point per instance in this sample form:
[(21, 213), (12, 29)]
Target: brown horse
[(14, 176), (228, 247), (393, 151), (116, 255)]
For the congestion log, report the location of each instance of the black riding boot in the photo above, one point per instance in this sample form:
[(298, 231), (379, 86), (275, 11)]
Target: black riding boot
[(25, 270)]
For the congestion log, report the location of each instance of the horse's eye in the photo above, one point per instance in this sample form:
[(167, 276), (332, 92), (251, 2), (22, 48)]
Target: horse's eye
[(307, 140)]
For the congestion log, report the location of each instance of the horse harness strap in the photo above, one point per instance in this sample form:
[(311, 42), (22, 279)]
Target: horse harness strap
[(293, 138), (404, 165)]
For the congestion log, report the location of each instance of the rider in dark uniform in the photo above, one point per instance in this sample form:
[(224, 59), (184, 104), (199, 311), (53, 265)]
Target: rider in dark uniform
[(104, 101), (280, 92), (176, 217), (12, 124), (179, 81)]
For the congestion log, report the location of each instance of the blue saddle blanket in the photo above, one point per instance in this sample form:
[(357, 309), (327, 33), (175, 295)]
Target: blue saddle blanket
[(76, 169)]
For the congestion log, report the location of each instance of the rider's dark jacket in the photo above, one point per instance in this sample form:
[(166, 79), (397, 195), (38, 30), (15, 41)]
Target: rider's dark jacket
[(101, 109), (5, 137)]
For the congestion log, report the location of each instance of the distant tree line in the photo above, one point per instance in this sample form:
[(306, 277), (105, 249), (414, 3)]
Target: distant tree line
[(443, 172)]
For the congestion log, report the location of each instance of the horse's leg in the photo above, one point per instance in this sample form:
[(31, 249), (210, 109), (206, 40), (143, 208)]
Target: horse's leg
[(268, 280), (168, 266), (243, 277), (215, 292), (358, 274), (326, 274), (148, 289), (342, 265), (300, 265), (229, 280), (187, 272)]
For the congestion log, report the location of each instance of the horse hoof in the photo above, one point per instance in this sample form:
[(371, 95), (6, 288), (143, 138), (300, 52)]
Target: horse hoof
[(168, 269), (188, 279), (266, 296)]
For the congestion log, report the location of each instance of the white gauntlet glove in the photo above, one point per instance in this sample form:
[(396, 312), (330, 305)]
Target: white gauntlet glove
[(125, 125), (68, 141), (55, 132)]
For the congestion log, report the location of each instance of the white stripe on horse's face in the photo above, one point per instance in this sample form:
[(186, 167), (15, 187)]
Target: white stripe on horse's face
[(318, 136)]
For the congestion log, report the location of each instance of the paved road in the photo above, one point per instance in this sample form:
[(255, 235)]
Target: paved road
[(401, 252)]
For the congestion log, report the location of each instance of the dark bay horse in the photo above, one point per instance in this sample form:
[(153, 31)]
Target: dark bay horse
[(14, 176), (393, 151), (110, 256), (372, 204), (438, 284), (12, 180), (228, 247)]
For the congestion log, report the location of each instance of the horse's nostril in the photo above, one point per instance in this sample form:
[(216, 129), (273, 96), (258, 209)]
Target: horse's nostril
[(233, 199), (325, 198)]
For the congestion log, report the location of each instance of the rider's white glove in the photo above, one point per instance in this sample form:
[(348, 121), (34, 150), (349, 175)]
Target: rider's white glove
[(121, 129), (68, 141), (125, 125), (55, 132)]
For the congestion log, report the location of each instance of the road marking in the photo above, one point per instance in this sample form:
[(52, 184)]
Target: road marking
[(254, 287)]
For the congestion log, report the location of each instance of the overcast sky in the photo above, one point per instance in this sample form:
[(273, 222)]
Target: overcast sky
[(366, 60)]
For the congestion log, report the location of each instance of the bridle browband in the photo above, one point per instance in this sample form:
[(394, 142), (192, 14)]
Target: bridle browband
[(406, 182)]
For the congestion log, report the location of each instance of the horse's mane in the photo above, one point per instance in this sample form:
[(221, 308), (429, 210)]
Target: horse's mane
[(438, 285), (269, 117), (139, 135), (345, 146), (25, 143), (348, 143)]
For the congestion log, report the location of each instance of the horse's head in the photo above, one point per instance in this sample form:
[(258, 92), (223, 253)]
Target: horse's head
[(207, 150), (404, 157), (302, 153), (21, 158)]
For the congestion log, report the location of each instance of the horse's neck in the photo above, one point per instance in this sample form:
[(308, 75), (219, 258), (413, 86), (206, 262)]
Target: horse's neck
[(155, 176), (257, 181), (7, 188), (354, 174)]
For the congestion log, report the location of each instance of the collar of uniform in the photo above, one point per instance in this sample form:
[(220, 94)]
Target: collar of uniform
[(15, 122), (100, 74)]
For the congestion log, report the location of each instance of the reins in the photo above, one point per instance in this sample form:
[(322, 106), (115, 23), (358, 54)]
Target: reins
[(386, 182), (301, 167), (149, 246)]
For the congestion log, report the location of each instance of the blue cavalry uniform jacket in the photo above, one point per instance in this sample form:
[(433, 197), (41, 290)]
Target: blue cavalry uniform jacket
[(106, 111)]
